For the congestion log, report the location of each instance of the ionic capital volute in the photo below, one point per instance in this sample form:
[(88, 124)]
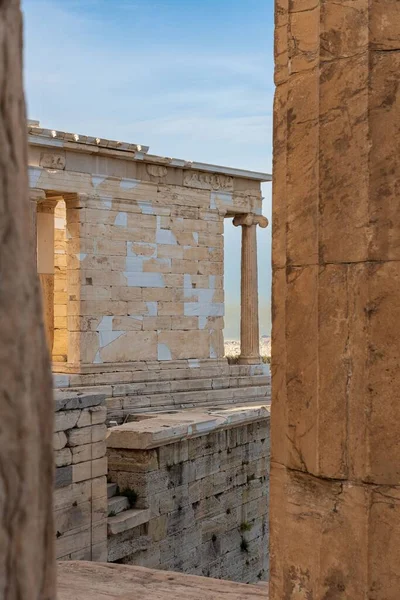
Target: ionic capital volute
[(250, 219)]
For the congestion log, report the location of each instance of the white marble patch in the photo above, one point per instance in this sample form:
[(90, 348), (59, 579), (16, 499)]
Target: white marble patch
[(204, 295), (97, 180), (121, 220), (128, 184), (194, 363), (108, 337), (146, 208), (203, 309), (144, 279), (34, 174), (202, 322), (97, 359), (134, 264), (152, 308), (224, 198), (105, 202), (165, 236), (105, 324), (164, 353), (60, 381), (213, 354)]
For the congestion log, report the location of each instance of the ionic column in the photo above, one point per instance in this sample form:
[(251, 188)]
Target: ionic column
[(249, 323), (45, 264)]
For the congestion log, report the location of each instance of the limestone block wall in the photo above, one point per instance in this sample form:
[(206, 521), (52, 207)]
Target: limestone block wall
[(206, 498), (148, 281), (80, 497), (144, 238)]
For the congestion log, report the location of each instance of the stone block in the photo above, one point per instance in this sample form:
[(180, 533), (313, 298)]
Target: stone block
[(63, 457), (157, 530), (136, 461), (65, 420), (59, 440), (87, 435), (63, 476), (127, 520), (89, 469), (88, 452), (92, 416)]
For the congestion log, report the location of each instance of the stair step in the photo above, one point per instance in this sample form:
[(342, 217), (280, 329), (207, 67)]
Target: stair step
[(128, 519), (106, 380), (111, 489), (117, 504)]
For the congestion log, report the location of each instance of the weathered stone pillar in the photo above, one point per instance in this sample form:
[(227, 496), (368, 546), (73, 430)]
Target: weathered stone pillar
[(335, 470), (249, 321), (45, 264)]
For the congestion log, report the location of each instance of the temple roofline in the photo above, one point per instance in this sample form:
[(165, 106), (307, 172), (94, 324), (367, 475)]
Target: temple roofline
[(38, 136)]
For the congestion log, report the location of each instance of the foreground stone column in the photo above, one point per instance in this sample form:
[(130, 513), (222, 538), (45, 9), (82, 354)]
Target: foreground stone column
[(335, 471), (249, 319), (45, 264), (27, 568)]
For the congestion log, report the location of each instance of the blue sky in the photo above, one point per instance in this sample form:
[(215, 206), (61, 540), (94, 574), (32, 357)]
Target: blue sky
[(191, 79)]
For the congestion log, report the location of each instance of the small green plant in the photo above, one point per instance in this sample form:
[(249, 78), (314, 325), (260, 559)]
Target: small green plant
[(245, 526), (244, 545), (112, 513), (131, 495)]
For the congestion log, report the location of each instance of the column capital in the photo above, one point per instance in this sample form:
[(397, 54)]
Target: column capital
[(37, 195), (47, 205), (250, 219)]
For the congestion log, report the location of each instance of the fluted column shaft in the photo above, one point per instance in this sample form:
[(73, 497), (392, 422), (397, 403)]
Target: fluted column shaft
[(249, 318)]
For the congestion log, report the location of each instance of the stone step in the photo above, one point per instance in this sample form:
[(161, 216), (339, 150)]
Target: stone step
[(185, 385), (158, 375), (120, 416), (171, 386), (128, 519), (117, 504), (111, 489), (181, 399)]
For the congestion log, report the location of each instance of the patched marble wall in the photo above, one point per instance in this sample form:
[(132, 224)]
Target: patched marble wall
[(144, 262)]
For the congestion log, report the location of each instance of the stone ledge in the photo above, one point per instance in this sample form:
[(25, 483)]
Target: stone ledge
[(71, 400), (128, 520), (91, 581), (154, 430)]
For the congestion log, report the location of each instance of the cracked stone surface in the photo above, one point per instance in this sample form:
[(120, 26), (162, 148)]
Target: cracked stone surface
[(335, 502)]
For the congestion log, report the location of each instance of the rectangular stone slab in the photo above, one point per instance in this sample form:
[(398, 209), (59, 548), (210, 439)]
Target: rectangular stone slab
[(97, 581)]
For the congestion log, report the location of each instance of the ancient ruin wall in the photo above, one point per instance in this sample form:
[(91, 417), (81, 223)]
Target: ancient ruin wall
[(80, 497), (201, 504)]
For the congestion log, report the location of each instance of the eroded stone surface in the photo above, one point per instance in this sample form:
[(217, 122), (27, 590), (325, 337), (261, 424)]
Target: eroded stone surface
[(335, 364)]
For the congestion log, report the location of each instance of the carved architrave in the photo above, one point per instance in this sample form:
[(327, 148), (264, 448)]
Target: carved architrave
[(52, 161), (157, 171), (208, 181)]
